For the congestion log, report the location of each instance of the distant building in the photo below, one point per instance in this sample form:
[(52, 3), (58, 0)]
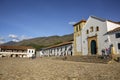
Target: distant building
[(40, 53), (89, 38), (62, 49), (17, 51)]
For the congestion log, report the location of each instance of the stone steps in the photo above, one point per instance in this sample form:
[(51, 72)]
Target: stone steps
[(89, 59)]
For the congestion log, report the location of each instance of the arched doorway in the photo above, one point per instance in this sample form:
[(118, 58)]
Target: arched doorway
[(93, 47)]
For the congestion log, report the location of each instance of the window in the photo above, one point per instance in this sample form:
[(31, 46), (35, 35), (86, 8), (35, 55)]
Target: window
[(79, 27), (91, 29), (57, 49), (65, 47), (97, 28), (117, 35), (76, 29), (87, 32), (118, 45), (61, 48)]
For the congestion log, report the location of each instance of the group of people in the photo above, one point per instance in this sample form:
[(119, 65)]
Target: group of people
[(106, 53)]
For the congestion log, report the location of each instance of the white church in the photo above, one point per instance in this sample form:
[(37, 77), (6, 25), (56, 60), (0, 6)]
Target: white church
[(95, 34)]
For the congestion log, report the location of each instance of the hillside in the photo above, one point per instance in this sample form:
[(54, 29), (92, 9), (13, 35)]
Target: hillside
[(41, 42), (9, 43)]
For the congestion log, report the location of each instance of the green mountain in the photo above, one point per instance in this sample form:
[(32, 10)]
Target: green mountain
[(42, 42)]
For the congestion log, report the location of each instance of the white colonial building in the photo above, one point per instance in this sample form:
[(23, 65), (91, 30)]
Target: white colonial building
[(17, 51), (90, 38), (114, 39), (62, 49)]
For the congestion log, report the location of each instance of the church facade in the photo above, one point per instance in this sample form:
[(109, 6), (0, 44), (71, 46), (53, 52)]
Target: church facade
[(90, 38)]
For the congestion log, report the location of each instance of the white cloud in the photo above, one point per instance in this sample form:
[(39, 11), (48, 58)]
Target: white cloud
[(15, 40), (12, 36), (71, 23)]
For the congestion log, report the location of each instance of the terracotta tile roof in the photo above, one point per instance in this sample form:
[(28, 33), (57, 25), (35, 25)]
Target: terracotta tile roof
[(16, 47), (83, 20), (61, 44), (114, 30)]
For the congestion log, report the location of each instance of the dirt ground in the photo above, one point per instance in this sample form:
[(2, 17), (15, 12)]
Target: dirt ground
[(47, 69)]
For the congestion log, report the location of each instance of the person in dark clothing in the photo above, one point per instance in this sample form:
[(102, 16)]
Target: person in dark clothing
[(103, 53)]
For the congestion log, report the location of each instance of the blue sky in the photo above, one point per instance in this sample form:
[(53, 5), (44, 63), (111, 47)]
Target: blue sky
[(24, 19)]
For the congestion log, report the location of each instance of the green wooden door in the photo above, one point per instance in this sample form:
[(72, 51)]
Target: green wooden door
[(93, 47)]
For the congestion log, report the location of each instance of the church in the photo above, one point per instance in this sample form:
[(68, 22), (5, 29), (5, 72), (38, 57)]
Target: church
[(93, 35)]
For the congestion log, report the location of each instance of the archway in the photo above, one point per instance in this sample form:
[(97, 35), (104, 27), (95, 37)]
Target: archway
[(93, 47)]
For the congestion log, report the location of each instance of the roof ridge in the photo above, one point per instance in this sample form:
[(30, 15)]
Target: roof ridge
[(101, 19), (57, 45), (82, 20)]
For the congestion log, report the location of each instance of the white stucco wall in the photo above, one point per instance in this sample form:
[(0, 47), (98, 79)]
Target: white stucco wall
[(60, 50), (111, 25), (115, 41), (30, 52), (79, 45), (39, 53)]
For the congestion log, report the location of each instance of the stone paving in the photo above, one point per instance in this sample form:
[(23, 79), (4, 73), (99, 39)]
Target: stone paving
[(48, 69)]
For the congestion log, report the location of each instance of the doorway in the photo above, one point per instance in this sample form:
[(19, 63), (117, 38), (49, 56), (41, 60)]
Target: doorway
[(93, 47)]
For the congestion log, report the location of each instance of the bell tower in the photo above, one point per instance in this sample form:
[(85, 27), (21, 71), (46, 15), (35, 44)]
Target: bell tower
[(78, 37)]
